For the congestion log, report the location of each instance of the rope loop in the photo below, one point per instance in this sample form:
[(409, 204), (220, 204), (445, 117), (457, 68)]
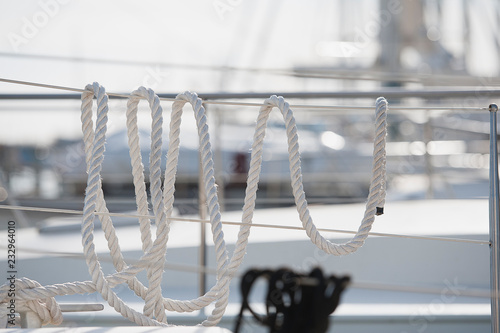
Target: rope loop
[(153, 300), (221, 288), (94, 144), (376, 196)]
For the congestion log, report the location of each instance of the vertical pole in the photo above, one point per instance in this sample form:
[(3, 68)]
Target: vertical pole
[(203, 246), (219, 164), (429, 169), (202, 211), (494, 223)]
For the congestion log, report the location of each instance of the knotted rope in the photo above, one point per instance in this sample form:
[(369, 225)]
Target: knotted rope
[(40, 298), (45, 307)]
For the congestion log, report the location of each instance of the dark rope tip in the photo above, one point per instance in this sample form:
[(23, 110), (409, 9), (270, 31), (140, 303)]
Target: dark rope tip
[(380, 211)]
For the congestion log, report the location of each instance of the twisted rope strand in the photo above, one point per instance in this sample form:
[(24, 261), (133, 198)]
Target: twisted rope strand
[(93, 186), (376, 195), (221, 288), (153, 304)]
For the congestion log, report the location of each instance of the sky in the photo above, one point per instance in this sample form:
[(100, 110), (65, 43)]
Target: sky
[(206, 33)]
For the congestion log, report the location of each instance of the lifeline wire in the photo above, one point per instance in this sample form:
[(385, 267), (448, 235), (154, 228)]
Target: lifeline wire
[(469, 292), (218, 102), (259, 225)]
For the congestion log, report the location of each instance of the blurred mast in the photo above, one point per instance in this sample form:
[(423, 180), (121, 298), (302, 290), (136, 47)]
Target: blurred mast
[(404, 32)]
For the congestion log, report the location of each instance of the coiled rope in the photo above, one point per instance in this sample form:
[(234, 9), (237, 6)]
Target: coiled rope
[(162, 200)]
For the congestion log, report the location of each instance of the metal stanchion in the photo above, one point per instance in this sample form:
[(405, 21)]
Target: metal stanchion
[(494, 223), (202, 209)]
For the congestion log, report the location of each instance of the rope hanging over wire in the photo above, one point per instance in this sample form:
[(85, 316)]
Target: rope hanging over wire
[(154, 251), (376, 196)]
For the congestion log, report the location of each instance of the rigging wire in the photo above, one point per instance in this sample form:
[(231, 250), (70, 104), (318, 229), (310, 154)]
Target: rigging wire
[(260, 225), (144, 63), (376, 286), (220, 102), (307, 73)]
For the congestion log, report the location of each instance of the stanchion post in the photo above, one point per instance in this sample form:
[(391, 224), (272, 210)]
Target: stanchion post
[(202, 209), (494, 223)]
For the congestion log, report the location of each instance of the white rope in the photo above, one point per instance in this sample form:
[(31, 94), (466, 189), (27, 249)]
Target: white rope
[(153, 259), (162, 206), (376, 197), (153, 304), (93, 201), (45, 307)]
